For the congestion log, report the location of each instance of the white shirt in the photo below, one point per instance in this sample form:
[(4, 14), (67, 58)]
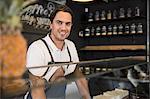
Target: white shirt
[(38, 55)]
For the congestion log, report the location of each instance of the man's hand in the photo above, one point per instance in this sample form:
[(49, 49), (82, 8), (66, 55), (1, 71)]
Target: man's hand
[(37, 91)]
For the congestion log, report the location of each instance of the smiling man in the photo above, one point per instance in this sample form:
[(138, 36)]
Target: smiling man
[(53, 48)]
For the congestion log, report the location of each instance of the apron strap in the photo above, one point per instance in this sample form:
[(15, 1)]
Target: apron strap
[(52, 61)]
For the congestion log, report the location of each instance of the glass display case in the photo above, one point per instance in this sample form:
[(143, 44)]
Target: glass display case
[(123, 77)]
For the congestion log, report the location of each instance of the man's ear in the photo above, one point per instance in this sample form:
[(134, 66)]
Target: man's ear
[(50, 25)]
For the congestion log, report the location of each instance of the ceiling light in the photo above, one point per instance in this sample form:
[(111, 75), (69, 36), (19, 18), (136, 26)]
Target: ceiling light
[(82, 0)]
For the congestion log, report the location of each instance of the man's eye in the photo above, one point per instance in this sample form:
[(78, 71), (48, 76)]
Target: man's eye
[(68, 24), (59, 22)]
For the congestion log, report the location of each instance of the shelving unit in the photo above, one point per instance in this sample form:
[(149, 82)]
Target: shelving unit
[(93, 47), (106, 45)]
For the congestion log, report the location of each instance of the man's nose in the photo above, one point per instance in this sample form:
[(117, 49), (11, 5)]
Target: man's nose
[(63, 26)]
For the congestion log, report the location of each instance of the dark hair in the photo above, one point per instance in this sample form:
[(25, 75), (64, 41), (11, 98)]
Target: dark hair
[(63, 8)]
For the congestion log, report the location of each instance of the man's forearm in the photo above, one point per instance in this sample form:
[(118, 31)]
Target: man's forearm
[(83, 88), (82, 84), (38, 93)]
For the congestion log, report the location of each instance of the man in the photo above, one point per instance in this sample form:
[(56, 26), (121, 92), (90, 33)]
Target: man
[(52, 49)]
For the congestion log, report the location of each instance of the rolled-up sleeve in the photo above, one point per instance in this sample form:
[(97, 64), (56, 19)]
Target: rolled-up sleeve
[(35, 57)]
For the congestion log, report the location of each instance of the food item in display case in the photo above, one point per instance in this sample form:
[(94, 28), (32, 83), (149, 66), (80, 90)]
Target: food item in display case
[(114, 94), (103, 97), (120, 92)]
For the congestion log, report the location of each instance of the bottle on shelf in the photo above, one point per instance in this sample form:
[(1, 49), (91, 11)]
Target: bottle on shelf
[(115, 30), (98, 69), (87, 70), (121, 13), (120, 29), (103, 15), (139, 28), (104, 30), (98, 31), (92, 31), (127, 29), (92, 69), (114, 14), (81, 68), (81, 33), (133, 28), (87, 31), (137, 11), (129, 12), (109, 30), (90, 17), (109, 16), (86, 13), (97, 15)]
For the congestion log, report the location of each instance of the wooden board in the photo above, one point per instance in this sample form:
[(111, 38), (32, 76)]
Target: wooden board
[(115, 47)]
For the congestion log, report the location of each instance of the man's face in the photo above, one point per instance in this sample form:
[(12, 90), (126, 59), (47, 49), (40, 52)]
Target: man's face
[(61, 25)]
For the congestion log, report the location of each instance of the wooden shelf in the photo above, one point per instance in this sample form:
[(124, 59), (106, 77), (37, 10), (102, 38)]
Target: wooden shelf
[(114, 47)]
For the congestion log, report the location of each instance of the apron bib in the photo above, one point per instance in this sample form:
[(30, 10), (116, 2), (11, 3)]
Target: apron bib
[(53, 91)]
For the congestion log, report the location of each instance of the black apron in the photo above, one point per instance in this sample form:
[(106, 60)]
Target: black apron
[(53, 91)]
